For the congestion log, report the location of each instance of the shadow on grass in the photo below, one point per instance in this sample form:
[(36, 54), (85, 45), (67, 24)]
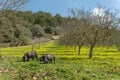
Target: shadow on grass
[(112, 51)]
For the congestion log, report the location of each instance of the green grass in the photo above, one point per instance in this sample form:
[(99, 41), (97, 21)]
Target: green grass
[(105, 64)]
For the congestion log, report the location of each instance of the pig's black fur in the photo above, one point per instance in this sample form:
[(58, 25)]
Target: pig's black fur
[(28, 55), (47, 58)]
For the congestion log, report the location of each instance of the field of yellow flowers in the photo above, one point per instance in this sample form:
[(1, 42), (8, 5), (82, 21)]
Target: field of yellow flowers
[(105, 64)]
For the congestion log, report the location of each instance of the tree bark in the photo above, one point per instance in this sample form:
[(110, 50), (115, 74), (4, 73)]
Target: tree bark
[(91, 50), (74, 48), (118, 48), (79, 49), (33, 46)]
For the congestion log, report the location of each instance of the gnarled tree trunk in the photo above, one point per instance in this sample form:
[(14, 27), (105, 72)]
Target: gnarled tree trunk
[(79, 49), (91, 50)]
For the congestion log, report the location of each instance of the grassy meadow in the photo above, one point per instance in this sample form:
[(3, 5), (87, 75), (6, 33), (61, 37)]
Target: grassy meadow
[(105, 64)]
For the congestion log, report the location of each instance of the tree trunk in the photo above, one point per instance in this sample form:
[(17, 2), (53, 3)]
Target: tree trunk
[(79, 49), (33, 47), (74, 48), (118, 48), (91, 50)]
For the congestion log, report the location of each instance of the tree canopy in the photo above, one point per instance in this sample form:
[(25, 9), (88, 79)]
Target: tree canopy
[(84, 27)]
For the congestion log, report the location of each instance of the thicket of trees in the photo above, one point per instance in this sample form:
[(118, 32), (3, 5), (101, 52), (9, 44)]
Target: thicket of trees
[(20, 27), (24, 27), (83, 27)]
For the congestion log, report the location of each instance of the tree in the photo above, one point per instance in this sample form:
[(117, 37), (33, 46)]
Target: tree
[(12, 4), (59, 19), (42, 18), (37, 31), (26, 16), (21, 34), (6, 30), (73, 35), (7, 5), (116, 39), (93, 28), (100, 28), (113, 40)]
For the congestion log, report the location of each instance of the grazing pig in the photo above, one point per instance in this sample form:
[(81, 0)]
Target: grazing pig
[(28, 55), (47, 58), (42, 58)]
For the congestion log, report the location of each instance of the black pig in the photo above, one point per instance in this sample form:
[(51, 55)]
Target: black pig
[(47, 58), (28, 55)]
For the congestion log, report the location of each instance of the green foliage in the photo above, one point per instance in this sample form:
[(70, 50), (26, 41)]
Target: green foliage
[(57, 31), (29, 25), (24, 40), (37, 31), (6, 30), (44, 19), (48, 30), (59, 19), (26, 15)]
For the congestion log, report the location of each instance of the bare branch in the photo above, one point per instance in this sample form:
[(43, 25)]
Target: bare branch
[(12, 4)]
